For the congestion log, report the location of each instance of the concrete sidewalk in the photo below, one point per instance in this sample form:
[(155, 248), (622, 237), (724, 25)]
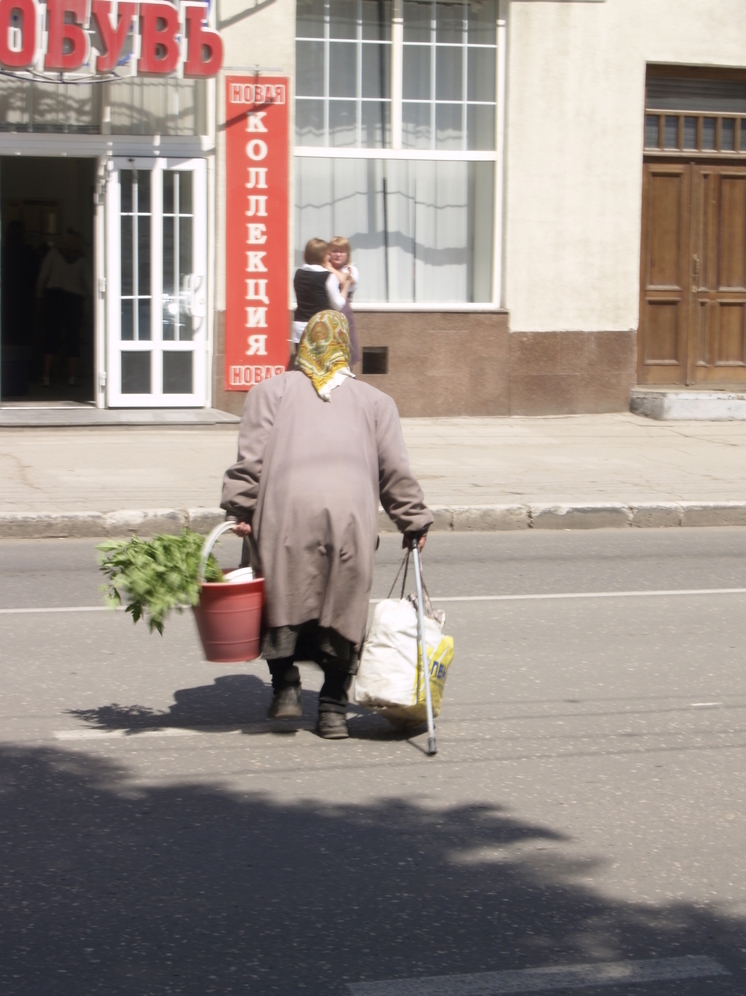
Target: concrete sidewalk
[(563, 472)]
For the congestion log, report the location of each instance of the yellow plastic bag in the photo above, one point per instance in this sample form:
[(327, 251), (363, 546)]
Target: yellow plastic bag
[(439, 660)]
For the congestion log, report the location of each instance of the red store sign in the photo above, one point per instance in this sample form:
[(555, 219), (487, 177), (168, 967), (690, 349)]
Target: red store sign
[(257, 320), (154, 37)]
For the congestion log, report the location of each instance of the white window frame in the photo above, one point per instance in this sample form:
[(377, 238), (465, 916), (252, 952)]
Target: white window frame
[(156, 345), (397, 152), (358, 42), (434, 46)]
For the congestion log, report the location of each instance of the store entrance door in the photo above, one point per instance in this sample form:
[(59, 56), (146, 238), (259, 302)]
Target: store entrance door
[(156, 274), (47, 302), (693, 282)]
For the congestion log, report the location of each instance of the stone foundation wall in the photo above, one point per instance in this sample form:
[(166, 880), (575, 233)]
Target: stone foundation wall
[(571, 373), (226, 401), (442, 363), (469, 363)]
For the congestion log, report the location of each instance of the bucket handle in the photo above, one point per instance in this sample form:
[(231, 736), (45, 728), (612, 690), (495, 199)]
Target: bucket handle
[(209, 544)]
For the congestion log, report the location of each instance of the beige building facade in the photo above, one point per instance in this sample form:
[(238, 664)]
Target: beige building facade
[(544, 198), (556, 327), (575, 158)]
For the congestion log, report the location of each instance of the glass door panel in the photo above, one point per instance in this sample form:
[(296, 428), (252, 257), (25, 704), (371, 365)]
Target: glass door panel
[(136, 221), (156, 280), (178, 255)]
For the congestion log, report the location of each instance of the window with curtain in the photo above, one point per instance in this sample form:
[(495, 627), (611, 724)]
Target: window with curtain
[(420, 230), (145, 106), (417, 80), (49, 107), (132, 106)]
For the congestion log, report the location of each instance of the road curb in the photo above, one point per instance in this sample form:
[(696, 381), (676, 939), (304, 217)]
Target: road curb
[(448, 518)]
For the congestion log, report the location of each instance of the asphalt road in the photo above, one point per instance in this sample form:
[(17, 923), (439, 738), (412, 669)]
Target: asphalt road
[(580, 828)]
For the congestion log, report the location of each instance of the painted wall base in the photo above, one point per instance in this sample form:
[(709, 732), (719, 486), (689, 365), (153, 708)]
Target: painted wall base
[(678, 403)]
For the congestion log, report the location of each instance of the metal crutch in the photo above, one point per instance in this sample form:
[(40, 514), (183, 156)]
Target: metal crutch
[(431, 745)]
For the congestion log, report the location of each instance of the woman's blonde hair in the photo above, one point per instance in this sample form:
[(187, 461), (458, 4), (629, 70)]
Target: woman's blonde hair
[(339, 243), (315, 252)]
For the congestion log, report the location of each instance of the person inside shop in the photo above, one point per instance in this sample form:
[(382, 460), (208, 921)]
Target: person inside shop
[(63, 285), (317, 451), (340, 261), (19, 269), (317, 286)]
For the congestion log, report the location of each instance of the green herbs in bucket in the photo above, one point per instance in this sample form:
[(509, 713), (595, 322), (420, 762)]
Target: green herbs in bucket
[(155, 576)]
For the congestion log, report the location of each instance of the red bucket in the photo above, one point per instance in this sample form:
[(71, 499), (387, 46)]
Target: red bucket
[(229, 615), (229, 620)]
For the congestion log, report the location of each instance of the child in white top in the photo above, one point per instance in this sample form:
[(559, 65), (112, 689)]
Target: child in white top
[(341, 263)]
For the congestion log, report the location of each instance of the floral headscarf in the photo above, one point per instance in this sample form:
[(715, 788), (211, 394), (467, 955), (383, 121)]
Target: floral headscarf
[(324, 352)]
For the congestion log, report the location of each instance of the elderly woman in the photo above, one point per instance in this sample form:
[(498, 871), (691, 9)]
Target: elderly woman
[(317, 450)]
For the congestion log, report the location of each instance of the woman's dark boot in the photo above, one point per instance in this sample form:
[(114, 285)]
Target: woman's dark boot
[(287, 702), (332, 724)]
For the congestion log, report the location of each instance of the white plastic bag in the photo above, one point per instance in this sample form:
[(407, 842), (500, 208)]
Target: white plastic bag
[(389, 678)]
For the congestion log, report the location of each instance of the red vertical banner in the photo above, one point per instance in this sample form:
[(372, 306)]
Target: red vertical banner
[(257, 320)]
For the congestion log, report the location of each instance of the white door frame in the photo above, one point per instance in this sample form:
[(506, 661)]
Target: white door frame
[(99, 284), (195, 289)]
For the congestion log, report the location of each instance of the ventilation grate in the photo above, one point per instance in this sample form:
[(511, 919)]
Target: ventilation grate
[(680, 94)]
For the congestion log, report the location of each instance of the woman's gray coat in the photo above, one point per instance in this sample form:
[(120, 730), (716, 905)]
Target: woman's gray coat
[(308, 478)]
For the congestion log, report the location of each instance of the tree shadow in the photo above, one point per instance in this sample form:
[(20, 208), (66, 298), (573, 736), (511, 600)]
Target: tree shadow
[(116, 887), (253, 7), (231, 702)]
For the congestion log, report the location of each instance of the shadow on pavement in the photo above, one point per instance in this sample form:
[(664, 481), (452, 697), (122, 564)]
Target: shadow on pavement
[(117, 888), (231, 702)]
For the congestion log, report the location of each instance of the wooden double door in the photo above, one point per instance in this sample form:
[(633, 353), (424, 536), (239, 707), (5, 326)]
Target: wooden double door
[(693, 279)]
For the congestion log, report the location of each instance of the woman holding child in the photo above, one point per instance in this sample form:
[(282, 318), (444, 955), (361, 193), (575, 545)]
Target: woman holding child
[(327, 280)]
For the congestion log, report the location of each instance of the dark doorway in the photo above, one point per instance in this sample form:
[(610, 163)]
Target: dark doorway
[(46, 270)]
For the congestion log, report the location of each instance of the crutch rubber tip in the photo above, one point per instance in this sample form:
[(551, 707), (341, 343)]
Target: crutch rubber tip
[(431, 748)]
